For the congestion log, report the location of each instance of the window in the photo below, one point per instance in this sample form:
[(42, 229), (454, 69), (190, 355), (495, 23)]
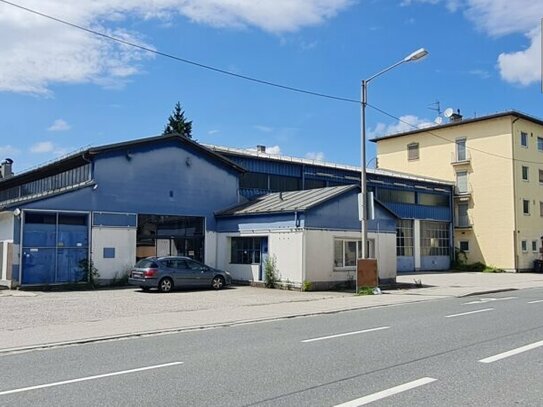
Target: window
[(524, 173), (524, 245), (413, 151), (534, 246), (464, 245), (540, 144), (282, 183), (253, 180), (346, 252), (394, 195), (462, 219), (461, 149), (540, 208), (462, 182), (245, 250), (404, 237), (523, 139), (434, 238), (433, 199), (526, 206), (541, 176), (314, 183)]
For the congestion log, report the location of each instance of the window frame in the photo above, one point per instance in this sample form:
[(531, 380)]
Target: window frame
[(413, 151), (540, 144), (251, 249), (524, 246), (466, 242), (344, 241), (524, 139), (461, 142), (534, 246), (525, 173), (526, 207)]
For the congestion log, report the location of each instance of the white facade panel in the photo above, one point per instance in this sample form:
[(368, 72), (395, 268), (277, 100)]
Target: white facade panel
[(210, 249), (123, 240), (288, 250), (6, 225)]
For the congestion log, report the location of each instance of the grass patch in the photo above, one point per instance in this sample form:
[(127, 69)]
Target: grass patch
[(365, 291)]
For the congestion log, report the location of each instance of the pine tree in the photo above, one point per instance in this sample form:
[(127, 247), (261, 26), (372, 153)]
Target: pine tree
[(178, 124)]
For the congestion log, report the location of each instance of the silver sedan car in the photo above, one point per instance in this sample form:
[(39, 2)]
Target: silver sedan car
[(167, 273)]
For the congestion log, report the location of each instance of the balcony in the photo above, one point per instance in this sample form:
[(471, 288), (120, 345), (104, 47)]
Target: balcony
[(460, 158), (463, 222), (462, 193)]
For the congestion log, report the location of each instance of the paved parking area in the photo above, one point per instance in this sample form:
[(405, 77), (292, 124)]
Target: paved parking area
[(31, 309)]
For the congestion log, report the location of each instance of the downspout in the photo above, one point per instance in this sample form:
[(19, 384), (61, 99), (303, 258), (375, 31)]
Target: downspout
[(515, 234)]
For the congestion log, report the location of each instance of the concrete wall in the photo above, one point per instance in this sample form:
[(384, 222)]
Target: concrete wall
[(123, 241), (490, 178), (6, 225)]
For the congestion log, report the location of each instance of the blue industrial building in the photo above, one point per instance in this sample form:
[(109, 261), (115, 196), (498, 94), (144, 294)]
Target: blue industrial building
[(171, 195)]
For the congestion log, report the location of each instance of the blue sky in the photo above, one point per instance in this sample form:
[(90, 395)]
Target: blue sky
[(62, 89)]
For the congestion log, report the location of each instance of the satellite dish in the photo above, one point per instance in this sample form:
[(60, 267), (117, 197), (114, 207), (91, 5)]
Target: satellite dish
[(438, 120), (448, 112)]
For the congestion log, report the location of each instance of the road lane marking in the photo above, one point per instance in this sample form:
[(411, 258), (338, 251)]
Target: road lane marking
[(485, 300), (387, 393), (512, 352), (322, 338), (534, 302), (469, 313), (83, 379)]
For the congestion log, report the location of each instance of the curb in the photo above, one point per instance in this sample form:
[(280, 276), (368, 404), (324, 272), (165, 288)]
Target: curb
[(500, 290)]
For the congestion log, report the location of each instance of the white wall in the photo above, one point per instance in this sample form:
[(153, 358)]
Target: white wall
[(124, 242), (320, 255), (210, 249), (287, 247), (6, 225), (242, 272)]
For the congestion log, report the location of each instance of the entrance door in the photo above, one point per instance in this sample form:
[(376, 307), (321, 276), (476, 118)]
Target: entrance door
[(55, 247)]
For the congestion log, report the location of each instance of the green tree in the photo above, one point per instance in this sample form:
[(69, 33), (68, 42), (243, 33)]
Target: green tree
[(178, 124)]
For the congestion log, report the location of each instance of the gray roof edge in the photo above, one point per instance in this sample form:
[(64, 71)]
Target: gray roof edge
[(514, 113)]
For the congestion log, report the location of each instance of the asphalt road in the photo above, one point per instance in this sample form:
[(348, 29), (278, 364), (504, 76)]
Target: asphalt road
[(474, 351)]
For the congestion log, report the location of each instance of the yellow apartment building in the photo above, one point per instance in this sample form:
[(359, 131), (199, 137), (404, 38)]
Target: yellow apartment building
[(497, 164)]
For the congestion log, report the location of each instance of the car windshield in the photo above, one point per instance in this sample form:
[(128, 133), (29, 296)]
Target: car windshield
[(145, 264)]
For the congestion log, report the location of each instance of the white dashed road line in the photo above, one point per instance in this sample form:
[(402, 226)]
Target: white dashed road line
[(387, 393), (534, 302), (469, 313), (83, 379), (513, 352), (485, 300), (322, 338)]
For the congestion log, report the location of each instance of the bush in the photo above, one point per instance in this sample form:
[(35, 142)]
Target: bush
[(271, 274), (306, 285), (365, 291)]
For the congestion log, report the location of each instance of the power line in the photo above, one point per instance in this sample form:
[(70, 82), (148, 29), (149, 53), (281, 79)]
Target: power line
[(244, 77), (448, 140), (179, 59)]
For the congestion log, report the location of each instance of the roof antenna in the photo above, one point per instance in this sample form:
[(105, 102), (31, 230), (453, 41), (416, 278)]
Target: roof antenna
[(436, 107)]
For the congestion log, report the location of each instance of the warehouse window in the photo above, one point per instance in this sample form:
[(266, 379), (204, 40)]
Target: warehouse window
[(395, 195), (434, 238), (433, 199), (404, 237), (245, 250), (282, 183), (253, 180), (413, 151)]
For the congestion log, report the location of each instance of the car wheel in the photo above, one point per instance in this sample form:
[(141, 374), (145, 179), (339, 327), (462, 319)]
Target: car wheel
[(218, 282), (165, 285)]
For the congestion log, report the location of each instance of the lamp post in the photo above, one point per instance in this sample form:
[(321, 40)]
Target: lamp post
[(414, 56)]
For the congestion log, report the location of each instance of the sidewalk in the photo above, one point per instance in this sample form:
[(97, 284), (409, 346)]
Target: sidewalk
[(45, 319)]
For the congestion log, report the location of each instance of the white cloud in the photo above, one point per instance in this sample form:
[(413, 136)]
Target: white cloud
[(8, 150), (264, 129), (59, 125), (42, 147), (317, 156), (276, 150), (37, 52), (213, 131), (406, 123), (522, 67), (505, 17)]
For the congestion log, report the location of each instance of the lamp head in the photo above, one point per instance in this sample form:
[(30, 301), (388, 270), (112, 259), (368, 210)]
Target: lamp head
[(416, 55)]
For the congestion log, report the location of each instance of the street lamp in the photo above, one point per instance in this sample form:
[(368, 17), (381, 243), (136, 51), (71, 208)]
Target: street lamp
[(414, 56)]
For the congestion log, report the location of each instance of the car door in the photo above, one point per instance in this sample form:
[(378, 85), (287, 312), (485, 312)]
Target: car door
[(202, 274), (183, 274)]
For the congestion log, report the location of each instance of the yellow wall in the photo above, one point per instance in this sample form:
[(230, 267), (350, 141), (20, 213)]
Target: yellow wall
[(490, 178), (529, 227)]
